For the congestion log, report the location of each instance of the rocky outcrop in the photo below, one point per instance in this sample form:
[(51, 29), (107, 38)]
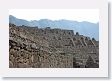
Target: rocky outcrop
[(33, 47)]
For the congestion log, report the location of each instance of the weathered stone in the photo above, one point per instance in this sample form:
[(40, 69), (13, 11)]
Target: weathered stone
[(31, 47)]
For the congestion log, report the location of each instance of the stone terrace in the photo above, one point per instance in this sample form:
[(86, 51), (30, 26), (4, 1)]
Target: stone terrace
[(33, 47)]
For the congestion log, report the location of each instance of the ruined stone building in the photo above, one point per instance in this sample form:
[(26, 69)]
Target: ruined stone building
[(33, 47)]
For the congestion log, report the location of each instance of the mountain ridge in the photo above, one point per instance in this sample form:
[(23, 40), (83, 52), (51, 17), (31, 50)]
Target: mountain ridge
[(86, 28)]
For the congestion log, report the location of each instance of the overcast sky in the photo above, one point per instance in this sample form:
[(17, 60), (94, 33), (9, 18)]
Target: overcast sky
[(90, 15)]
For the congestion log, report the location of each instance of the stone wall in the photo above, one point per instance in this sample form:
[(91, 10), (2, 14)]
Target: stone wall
[(33, 47)]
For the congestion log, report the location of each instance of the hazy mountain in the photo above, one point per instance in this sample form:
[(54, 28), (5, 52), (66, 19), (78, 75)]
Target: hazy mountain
[(84, 28)]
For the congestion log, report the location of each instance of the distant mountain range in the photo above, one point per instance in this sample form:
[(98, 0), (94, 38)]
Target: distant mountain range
[(85, 28)]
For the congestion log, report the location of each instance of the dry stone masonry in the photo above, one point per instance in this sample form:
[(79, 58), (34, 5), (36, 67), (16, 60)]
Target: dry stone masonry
[(33, 47)]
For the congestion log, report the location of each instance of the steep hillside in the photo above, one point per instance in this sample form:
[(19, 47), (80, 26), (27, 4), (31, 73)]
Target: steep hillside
[(33, 47)]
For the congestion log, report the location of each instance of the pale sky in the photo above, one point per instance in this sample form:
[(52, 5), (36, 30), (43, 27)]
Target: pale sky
[(90, 15)]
